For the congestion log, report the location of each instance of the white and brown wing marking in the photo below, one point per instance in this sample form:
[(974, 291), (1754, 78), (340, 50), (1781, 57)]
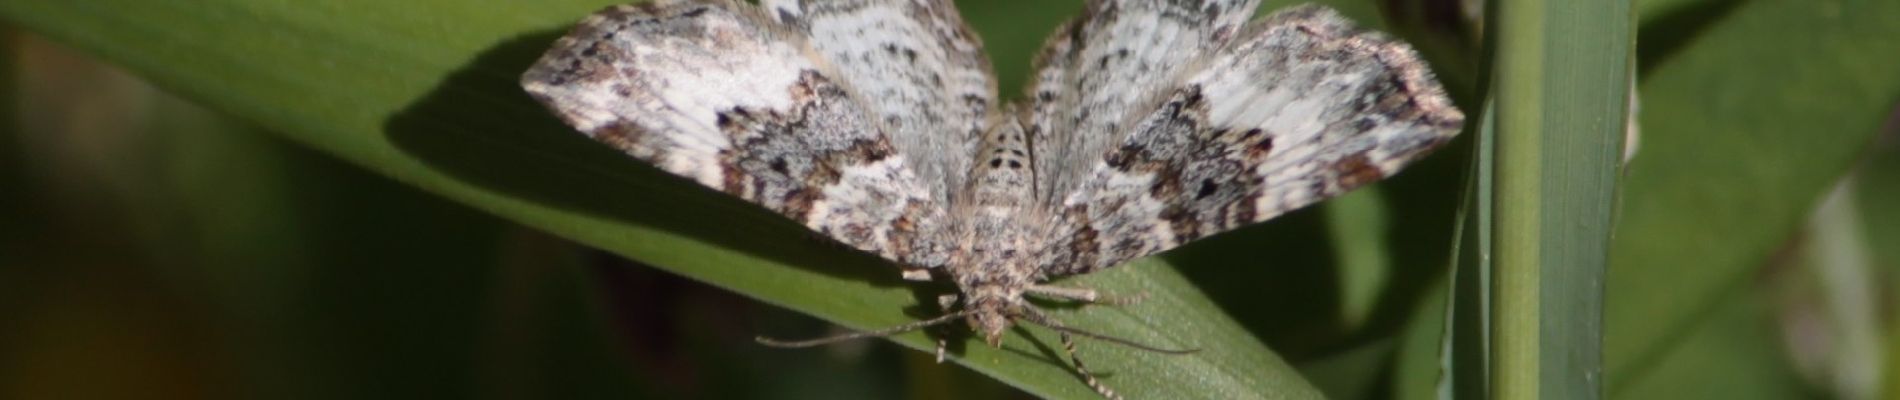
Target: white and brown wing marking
[(1093, 75), (924, 72), (1302, 107), (720, 94)]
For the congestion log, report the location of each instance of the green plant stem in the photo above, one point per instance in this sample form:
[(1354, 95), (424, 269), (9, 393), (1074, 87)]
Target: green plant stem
[(1466, 348), (1562, 86)]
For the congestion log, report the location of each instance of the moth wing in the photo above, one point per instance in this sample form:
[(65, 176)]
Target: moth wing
[(1095, 73), (715, 92), (921, 70), (1305, 108)]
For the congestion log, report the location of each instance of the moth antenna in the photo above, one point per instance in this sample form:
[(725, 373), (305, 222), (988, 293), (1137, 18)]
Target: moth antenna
[(1037, 317), (861, 335)]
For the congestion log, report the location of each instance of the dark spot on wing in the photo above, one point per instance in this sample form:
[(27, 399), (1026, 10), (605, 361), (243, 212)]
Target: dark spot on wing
[(1119, 159), (1261, 149), (1167, 185), (1245, 211), (871, 150), (1365, 124), (619, 134), (1184, 224), (1356, 170), (1194, 97), (732, 179), (798, 202), (975, 100)]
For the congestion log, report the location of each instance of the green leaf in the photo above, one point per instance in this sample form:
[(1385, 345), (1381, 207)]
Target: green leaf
[(1561, 81), (1879, 183), (1734, 352), (1750, 110), (424, 92)]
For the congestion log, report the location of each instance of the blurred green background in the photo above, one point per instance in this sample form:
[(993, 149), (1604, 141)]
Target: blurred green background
[(243, 199)]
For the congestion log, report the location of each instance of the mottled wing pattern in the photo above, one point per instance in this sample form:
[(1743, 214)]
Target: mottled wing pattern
[(921, 70), (1095, 73), (1303, 108), (717, 93)]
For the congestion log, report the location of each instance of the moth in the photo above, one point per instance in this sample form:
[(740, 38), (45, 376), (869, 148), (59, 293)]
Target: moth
[(877, 123)]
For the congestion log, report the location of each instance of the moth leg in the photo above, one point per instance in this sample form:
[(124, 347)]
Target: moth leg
[(945, 301), (1068, 346), (917, 274), (1085, 295), (1078, 294)]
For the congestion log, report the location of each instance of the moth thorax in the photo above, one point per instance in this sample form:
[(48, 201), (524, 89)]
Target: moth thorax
[(1001, 174)]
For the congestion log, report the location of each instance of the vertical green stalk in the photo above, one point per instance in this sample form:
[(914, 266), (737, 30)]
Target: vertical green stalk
[(1517, 88), (1467, 347), (1561, 84)]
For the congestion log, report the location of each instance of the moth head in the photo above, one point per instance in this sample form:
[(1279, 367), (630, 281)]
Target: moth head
[(992, 308), (991, 324)]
